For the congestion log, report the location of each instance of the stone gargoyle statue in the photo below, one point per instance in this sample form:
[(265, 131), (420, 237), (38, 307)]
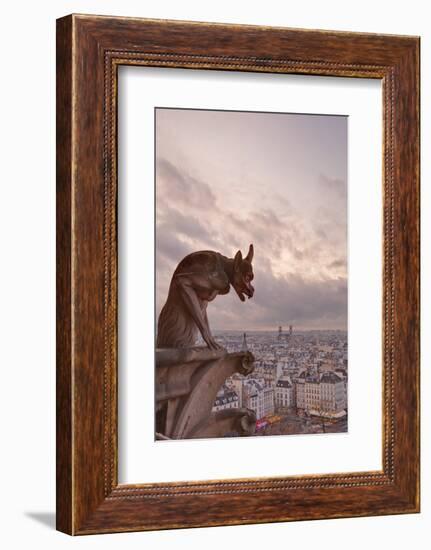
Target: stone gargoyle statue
[(197, 280)]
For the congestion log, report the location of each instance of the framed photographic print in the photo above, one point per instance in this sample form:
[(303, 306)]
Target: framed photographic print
[(237, 274)]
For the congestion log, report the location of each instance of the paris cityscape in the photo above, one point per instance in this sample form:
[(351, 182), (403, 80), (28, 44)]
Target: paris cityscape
[(299, 384)]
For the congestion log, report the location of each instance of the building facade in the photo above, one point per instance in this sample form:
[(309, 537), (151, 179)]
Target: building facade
[(333, 393), (321, 393), (284, 393), (226, 399), (258, 397)]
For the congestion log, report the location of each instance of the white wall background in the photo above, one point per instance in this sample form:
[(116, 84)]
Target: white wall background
[(27, 218)]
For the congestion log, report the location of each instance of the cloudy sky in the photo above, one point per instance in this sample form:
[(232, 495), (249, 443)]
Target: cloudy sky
[(228, 179)]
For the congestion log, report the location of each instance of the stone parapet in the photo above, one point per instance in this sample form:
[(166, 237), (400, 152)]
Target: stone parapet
[(186, 386)]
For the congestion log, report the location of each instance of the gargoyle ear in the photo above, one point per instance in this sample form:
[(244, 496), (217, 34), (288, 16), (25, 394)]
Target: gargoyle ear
[(249, 256), (237, 261)]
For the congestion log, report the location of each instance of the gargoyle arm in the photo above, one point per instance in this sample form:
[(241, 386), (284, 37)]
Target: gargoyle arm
[(191, 301)]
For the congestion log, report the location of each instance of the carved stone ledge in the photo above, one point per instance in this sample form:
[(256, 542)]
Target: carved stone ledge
[(239, 422), (187, 382)]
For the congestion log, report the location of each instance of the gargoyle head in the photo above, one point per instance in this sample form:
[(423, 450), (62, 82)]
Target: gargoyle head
[(243, 274)]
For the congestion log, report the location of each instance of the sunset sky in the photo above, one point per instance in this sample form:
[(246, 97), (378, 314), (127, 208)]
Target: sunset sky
[(228, 179)]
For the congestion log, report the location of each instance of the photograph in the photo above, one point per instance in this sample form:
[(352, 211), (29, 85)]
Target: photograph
[(251, 273)]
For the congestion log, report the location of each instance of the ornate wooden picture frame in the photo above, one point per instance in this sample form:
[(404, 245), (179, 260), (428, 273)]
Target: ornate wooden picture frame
[(89, 51)]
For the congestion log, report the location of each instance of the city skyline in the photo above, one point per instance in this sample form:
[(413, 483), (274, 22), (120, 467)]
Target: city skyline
[(298, 385), (226, 179)]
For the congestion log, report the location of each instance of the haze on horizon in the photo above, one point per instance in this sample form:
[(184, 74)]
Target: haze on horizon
[(227, 179)]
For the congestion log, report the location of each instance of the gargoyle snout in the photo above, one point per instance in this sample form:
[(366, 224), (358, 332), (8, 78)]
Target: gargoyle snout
[(249, 290)]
